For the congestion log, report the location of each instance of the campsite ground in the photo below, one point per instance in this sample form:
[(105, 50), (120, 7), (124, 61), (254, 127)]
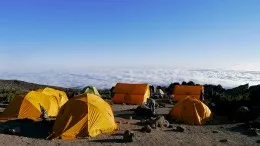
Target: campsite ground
[(211, 134)]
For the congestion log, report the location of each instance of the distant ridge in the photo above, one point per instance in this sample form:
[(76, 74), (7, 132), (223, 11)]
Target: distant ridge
[(23, 86)]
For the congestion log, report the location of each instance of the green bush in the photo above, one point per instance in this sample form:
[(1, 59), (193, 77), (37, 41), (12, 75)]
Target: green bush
[(72, 92), (7, 95), (10, 97)]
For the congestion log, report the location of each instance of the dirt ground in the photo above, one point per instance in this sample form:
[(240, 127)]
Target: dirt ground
[(34, 133)]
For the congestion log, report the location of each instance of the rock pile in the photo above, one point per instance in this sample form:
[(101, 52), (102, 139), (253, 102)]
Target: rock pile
[(157, 122)]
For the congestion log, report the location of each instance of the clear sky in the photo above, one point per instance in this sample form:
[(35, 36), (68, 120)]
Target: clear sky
[(55, 34)]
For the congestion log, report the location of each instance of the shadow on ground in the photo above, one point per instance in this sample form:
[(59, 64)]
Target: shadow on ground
[(28, 128), (243, 129), (117, 134), (109, 141), (126, 114)]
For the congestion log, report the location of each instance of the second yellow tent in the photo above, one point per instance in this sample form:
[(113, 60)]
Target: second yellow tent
[(82, 116)]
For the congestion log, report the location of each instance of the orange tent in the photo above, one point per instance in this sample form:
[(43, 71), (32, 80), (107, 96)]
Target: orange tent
[(82, 116), (131, 93), (191, 111), (182, 91)]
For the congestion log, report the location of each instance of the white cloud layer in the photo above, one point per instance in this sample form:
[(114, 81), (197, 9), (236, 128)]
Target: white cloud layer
[(108, 77)]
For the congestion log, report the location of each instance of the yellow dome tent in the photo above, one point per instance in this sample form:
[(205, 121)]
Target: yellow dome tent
[(29, 106), (60, 96), (82, 116), (131, 93), (191, 111)]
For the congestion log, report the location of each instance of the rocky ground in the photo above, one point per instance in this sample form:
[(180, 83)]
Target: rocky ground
[(219, 132)]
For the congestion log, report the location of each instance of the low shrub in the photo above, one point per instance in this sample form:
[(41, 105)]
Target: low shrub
[(7, 95)]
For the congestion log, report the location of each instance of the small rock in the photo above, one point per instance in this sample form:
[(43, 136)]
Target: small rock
[(160, 121), (162, 105), (223, 140), (153, 126), (128, 136), (215, 131), (170, 126), (143, 122), (166, 124), (146, 129), (11, 131), (180, 129)]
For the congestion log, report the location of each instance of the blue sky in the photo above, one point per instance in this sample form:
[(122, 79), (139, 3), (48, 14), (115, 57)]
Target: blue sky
[(80, 33)]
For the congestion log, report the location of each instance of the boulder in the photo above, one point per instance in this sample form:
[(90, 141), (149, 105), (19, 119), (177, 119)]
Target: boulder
[(170, 126), (153, 126), (180, 129), (159, 121), (243, 109), (242, 114), (128, 136), (255, 123), (146, 129), (143, 110), (253, 132), (223, 140)]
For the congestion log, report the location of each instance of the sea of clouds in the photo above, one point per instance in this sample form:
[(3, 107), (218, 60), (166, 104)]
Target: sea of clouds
[(108, 77)]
